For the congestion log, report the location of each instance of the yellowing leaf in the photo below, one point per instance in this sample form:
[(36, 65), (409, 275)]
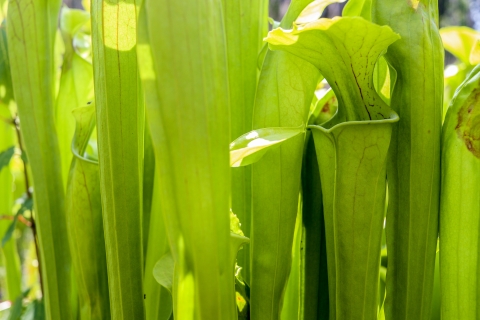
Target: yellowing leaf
[(460, 41), (475, 53)]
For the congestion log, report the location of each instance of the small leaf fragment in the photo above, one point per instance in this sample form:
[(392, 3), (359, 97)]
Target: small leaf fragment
[(235, 224), (163, 271), (252, 146), (475, 53), (6, 156), (27, 204), (17, 306)]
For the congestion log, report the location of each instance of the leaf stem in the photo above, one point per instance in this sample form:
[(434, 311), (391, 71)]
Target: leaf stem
[(16, 123)]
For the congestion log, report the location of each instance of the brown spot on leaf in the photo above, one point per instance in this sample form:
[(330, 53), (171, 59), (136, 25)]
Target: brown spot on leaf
[(468, 125)]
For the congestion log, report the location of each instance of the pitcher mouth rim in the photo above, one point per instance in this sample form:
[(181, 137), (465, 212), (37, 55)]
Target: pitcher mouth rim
[(394, 117)]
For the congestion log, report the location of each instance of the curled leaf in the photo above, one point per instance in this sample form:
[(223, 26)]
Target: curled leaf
[(313, 11), (350, 46)]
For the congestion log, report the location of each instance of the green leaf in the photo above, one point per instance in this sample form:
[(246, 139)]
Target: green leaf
[(314, 301), (9, 232), (31, 29), (163, 271), (158, 299), (203, 273), (413, 169), (27, 204), (8, 253), (148, 185), (342, 51), (85, 225), (461, 42), (76, 82), (17, 306), (245, 27), (120, 129), (6, 156), (358, 8), (34, 311), (235, 224), (252, 146), (6, 95), (459, 224), (293, 295), (284, 94), (345, 51), (353, 218)]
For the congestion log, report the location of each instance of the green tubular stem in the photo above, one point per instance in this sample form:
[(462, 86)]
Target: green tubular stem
[(351, 151), (459, 215), (85, 225), (120, 117), (190, 125), (245, 27), (31, 30), (9, 251), (76, 85), (314, 302), (413, 169), (291, 306), (283, 98), (352, 159), (158, 300)]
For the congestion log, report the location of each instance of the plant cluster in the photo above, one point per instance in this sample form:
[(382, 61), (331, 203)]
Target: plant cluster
[(174, 159)]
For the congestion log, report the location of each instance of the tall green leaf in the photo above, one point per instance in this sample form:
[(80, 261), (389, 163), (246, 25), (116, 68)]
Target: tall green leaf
[(188, 113), (362, 8), (120, 117), (158, 300), (459, 215), (284, 93), (413, 168), (85, 225), (148, 186), (314, 301), (291, 306), (245, 27), (31, 27), (76, 82)]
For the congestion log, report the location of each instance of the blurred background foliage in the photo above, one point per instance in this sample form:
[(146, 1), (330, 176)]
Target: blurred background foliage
[(452, 12)]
